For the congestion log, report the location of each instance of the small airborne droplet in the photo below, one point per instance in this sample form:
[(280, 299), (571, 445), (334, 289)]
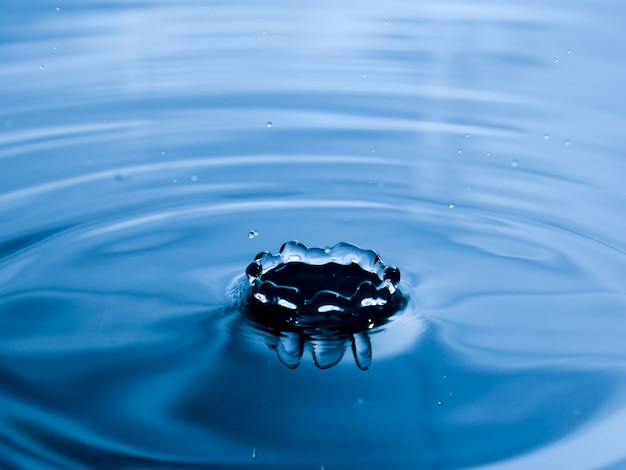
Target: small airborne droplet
[(556, 61), (439, 403), (467, 136), (268, 124), (57, 9), (567, 143), (41, 67), (546, 137), (194, 178), (514, 164), (459, 151), (252, 234), (254, 453), (569, 51), (451, 205)]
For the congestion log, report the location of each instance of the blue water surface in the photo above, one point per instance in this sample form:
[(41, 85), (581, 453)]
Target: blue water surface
[(149, 150)]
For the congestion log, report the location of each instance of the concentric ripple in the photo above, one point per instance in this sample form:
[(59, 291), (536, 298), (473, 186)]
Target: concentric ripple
[(149, 151)]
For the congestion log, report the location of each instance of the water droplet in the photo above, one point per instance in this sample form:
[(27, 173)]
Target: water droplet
[(467, 135), (488, 154), (556, 61), (567, 143), (174, 181), (360, 401), (459, 150), (57, 9), (289, 349), (451, 205), (252, 234), (194, 178), (386, 23), (364, 76), (362, 350), (269, 124), (41, 67), (569, 51), (254, 453), (445, 376), (88, 162), (514, 164), (264, 33), (546, 137), (54, 48), (327, 352), (162, 153), (439, 403)]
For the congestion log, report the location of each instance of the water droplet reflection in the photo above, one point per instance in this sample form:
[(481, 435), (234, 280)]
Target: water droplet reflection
[(325, 300)]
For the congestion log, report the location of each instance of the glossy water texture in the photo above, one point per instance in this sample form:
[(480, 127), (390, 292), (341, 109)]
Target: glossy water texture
[(322, 299), (149, 149)]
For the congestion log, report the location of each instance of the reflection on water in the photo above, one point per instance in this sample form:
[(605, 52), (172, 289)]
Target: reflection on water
[(321, 298), (148, 151)]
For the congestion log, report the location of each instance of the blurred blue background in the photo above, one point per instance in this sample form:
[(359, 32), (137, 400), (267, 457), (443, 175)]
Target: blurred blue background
[(149, 149)]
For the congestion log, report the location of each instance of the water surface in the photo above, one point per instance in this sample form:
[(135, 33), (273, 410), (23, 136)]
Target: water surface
[(149, 150)]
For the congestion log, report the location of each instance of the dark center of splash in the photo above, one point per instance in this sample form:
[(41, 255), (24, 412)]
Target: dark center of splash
[(311, 279), (320, 297)]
